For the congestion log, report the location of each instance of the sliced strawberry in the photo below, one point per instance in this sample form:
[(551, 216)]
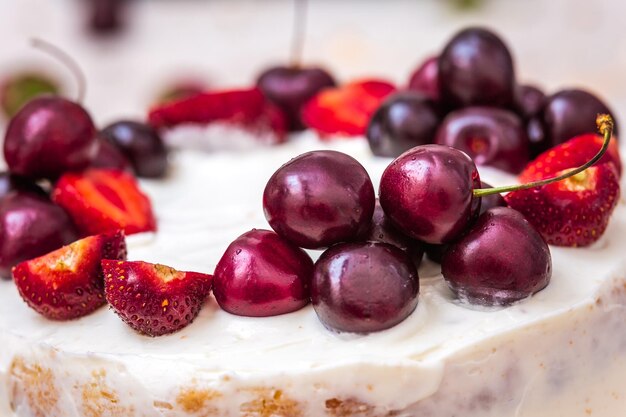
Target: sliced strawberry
[(248, 109), (573, 212), (104, 200), (345, 110), (154, 299), (68, 283), (571, 154)]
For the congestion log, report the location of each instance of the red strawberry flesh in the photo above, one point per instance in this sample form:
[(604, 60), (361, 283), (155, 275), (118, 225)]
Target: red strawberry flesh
[(345, 110), (572, 212), (154, 299), (570, 154), (68, 283), (103, 200)]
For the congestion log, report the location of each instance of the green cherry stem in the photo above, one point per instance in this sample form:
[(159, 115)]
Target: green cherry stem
[(298, 32), (67, 61), (605, 127)]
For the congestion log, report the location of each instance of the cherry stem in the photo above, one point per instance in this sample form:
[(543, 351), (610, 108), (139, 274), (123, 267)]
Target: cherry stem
[(605, 127), (298, 32), (66, 60)]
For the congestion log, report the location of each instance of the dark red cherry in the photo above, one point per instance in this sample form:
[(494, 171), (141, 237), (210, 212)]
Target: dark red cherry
[(141, 144), (290, 87), (261, 274), (382, 230), (500, 260), (30, 226), (49, 136), (320, 198), (364, 287), (404, 120), (10, 182), (570, 113), (106, 16), (110, 156), (490, 136), (476, 68), (427, 193), (490, 201), (425, 79), (529, 101)]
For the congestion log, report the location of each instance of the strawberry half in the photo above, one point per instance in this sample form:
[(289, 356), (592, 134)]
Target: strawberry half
[(68, 283), (154, 299), (345, 110), (572, 212), (571, 154), (104, 200), (245, 109)]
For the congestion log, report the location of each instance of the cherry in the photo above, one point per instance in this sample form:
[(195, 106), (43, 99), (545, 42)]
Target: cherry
[(490, 201), (49, 136), (500, 260), (291, 87), (403, 121), (569, 113), (489, 136), (141, 144), (30, 226), (320, 198), (364, 287), (10, 182), (529, 101), (109, 156), (21, 88), (425, 79), (261, 274), (383, 231), (476, 68), (427, 193), (105, 16)]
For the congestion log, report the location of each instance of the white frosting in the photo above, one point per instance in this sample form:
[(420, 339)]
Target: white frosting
[(562, 352)]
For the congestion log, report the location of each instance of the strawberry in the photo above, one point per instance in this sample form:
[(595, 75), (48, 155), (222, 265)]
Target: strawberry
[(68, 283), (345, 110), (571, 154), (248, 109), (154, 299), (572, 212), (104, 200)]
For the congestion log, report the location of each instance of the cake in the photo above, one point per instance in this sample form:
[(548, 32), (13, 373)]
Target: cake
[(562, 352), (551, 350)]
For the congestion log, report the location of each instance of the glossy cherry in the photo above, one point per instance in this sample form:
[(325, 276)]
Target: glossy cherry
[(141, 144), (382, 230), (476, 68), (425, 78), (320, 198), (261, 274), (569, 113), (364, 287), (404, 120), (490, 136), (500, 260), (30, 226), (290, 87), (427, 193), (49, 136)]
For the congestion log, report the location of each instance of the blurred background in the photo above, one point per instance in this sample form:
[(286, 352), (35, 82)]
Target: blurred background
[(226, 43)]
